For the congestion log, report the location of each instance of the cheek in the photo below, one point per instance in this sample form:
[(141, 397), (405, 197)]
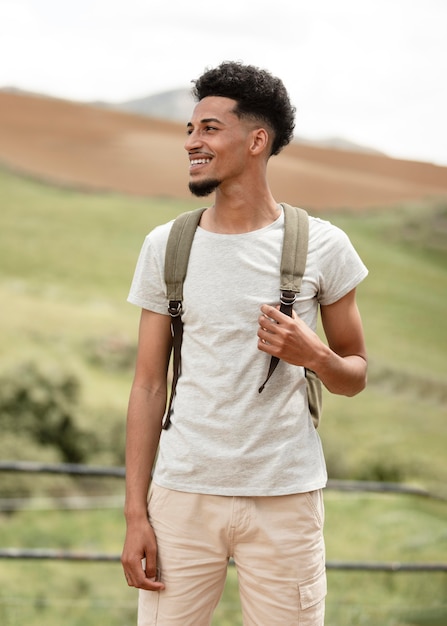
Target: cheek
[(236, 159)]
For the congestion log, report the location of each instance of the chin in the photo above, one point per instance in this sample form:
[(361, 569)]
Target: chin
[(204, 187)]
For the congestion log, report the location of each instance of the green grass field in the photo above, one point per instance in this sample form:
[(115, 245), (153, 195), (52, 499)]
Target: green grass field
[(375, 528), (66, 261)]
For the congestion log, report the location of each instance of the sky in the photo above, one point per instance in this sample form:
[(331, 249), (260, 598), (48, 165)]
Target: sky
[(373, 72)]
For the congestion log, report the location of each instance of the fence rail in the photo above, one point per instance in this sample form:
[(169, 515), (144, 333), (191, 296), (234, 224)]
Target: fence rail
[(72, 469), (67, 555), (119, 472)]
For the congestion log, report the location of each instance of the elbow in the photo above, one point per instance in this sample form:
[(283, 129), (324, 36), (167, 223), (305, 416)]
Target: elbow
[(349, 389), (349, 379), (359, 384), (358, 388)]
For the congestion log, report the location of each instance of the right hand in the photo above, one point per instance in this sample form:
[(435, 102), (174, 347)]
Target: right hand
[(140, 543)]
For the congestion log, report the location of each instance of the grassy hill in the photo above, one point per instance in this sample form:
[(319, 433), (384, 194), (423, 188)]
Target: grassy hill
[(66, 261)]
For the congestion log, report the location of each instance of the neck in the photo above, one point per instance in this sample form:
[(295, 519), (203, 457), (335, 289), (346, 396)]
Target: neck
[(240, 213)]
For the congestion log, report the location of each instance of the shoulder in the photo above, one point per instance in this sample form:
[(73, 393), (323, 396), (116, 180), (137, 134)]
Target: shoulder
[(158, 236), (328, 242), (183, 225), (323, 232), (154, 244)]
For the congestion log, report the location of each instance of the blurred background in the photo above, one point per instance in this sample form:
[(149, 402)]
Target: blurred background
[(94, 98)]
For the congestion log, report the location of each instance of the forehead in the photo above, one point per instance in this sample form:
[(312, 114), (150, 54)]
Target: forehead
[(214, 107)]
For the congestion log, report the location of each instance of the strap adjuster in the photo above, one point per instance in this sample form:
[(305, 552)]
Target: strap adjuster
[(175, 308), (288, 298)]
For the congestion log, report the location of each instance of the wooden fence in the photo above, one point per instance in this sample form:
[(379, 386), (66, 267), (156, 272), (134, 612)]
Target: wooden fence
[(119, 472)]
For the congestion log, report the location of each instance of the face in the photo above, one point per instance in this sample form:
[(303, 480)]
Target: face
[(217, 145)]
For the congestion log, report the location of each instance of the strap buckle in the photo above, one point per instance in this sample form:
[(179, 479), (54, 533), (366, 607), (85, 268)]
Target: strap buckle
[(175, 308), (288, 298)]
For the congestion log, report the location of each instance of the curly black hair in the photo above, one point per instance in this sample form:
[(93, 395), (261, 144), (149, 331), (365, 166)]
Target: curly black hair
[(258, 95)]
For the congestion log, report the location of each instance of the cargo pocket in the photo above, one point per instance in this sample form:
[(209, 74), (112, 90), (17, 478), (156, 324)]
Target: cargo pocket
[(312, 593)]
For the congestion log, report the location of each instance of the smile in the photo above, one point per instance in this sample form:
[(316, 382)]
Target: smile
[(199, 161)]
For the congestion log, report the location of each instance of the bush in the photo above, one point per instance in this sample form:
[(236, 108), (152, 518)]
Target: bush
[(41, 405), (112, 353)]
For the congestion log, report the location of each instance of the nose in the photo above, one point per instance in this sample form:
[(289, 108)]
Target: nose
[(192, 140)]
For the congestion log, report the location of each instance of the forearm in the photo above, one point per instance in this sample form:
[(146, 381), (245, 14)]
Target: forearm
[(139, 556), (145, 414), (343, 375), (147, 404)]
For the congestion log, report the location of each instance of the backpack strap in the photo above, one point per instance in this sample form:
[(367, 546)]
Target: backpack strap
[(293, 264), (177, 252), (294, 249)]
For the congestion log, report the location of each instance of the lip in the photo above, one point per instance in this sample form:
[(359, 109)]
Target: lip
[(198, 161)]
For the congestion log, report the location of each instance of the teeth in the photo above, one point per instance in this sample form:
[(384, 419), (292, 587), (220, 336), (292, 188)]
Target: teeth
[(199, 161)]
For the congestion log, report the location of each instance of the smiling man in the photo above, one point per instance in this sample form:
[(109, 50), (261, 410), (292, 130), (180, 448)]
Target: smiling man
[(238, 474), (216, 143)]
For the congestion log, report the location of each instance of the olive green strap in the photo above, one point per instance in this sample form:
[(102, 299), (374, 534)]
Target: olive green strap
[(293, 264), (294, 248), (177, 252)]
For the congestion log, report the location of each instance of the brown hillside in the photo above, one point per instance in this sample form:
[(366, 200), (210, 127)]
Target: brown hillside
[(81, 146)]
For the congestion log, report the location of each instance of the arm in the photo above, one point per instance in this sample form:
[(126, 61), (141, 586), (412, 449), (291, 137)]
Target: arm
[(147, 404), (341, 365)]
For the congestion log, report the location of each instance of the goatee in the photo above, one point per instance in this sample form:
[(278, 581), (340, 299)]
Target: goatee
[(204, 187)]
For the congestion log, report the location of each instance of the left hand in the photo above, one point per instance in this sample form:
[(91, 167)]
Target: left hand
[(287, 338)]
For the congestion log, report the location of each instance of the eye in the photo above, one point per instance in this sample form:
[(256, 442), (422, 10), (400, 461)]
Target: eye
[(210, 128)]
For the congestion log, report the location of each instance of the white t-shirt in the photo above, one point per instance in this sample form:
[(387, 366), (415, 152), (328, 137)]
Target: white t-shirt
[(225, 437)]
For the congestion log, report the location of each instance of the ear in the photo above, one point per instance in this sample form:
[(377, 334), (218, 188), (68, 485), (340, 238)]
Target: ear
[(260, 141)]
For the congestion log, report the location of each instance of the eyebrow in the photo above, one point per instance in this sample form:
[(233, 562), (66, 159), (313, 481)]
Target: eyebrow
[(206, 120)]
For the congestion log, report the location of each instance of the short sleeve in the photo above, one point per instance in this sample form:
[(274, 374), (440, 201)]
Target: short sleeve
[(339, 266), (148, 289)]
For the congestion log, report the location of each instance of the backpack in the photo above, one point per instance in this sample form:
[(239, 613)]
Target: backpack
[(293, 262)]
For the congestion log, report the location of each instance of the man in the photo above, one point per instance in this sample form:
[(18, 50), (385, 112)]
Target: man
[(239, 474)]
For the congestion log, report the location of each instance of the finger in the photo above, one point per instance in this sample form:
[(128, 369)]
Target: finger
[(152, 576), (264, 335), (151, 572), (151, 585), (131, 576), (267, 324), (263, 346), (143, 582), (271, 312), (273, 315), (134, 571)]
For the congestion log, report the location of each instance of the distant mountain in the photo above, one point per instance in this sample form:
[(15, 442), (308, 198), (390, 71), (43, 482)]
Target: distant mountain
[(338, 143), (176, 105), (173, 105)]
